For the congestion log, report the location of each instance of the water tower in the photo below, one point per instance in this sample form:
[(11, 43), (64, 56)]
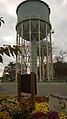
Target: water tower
[(33, 26)]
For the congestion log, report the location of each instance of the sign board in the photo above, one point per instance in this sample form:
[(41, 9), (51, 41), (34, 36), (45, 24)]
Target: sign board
[(58, 103), (26, 83)]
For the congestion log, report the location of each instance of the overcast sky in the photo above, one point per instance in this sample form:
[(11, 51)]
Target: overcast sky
[(58, 18)]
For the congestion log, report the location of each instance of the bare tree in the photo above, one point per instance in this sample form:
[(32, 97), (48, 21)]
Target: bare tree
[(59, 57)]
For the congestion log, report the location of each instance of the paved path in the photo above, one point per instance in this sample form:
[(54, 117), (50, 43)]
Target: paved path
[(42, 88), (56, 88)]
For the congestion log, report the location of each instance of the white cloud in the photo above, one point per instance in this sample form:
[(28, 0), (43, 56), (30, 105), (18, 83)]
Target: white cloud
[(11, 11), (9, 39), (11, 6), (65, 1), (1, 0)]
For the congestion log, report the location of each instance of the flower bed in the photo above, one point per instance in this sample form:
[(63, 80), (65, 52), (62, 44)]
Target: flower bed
[(11, 109)]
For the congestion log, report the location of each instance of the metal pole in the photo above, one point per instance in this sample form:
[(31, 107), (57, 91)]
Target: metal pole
[(51, 57), (19, 47), (47, 58), (22, 50), (43, 71), (39, 50), (16, 56), (30, 43)]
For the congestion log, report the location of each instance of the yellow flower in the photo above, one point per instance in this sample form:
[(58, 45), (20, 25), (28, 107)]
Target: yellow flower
[(5, 115), (62, 115), (42, 106)]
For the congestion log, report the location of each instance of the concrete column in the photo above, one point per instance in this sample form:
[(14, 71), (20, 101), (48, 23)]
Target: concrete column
[(33, 51), (39, 50), (47, 57), (51, 58)]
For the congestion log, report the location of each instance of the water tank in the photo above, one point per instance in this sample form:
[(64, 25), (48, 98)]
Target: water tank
[(34, 10), (33, 25)]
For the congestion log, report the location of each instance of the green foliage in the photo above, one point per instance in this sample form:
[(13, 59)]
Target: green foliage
[(1, 50), (10, 69), (1, 20), (6, 51), (9, 51), (21, 114), (1, 59), (16, 49)]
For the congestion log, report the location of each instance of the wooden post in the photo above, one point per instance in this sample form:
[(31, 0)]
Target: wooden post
[(19, 86), (32, 90)]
